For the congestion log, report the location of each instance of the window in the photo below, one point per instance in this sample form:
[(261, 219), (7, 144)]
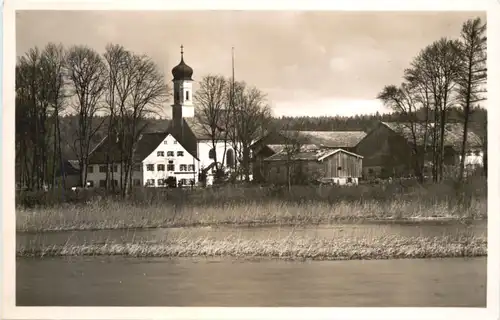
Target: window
[(160, 154), (170, 166), (211, 154), (137, 167), (339, 168), (170, 153), (90, 184), (115, 168), (137, 182), (230, 158), (165, 142), (187, 95), (150, 167), (182, 181), (102, 183), (175, 141), (161, 167), (161, 182), (277, 170), (191, 167), (103, 169), (90, 169), (180, 153), (150, 182), (183, 167)]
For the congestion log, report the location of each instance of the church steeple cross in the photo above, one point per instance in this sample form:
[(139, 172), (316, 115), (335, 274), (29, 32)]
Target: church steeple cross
[(182, 51)]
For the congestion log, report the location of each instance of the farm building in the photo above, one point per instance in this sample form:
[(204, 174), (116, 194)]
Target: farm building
[(388, 149), (312, 163), (275, 141), (158, 156)]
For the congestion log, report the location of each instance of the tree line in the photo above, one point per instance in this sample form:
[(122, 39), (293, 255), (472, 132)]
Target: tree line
[(69, 99), (113, 93), (448, 74)]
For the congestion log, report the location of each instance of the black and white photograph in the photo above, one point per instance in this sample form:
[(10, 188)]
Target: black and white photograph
[(251, 158)]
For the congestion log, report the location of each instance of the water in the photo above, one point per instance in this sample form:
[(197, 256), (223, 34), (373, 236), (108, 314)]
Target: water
[(119, 281), (352, 231)]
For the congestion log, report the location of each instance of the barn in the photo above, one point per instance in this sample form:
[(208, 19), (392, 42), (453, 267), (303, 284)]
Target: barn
[(274, 142), (314, 164), (387, 150)]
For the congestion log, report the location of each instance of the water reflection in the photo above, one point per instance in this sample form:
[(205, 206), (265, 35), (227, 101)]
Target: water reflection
[(105, 281)]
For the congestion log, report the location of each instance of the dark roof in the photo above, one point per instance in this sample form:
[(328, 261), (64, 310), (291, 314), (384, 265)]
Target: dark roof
[(308, 153), (182, 71), (147, 143), (327, 139), (199, 130), (452, 138), (70, 167)]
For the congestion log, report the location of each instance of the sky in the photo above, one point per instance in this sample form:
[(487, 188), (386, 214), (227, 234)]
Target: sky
[(310, 63)]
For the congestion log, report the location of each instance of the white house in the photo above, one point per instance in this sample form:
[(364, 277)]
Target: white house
[(158, 157), (182, 151)]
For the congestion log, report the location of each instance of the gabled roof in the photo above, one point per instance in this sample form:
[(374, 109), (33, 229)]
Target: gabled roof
[(308, 153), (146, 144), (453, 133), (327, 139)]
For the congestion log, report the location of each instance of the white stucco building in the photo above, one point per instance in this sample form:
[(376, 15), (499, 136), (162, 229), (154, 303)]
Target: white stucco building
[(183, 150)]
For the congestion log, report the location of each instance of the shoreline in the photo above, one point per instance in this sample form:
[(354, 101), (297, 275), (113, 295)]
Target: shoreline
[(265, 224)]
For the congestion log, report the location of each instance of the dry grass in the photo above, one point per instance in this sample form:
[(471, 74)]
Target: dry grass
[(293, 247), (116, 215)]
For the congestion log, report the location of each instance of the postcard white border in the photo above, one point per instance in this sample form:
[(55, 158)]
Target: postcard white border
[(10, 311)]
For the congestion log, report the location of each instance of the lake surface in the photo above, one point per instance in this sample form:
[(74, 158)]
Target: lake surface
[(478, 228), (120, 281)]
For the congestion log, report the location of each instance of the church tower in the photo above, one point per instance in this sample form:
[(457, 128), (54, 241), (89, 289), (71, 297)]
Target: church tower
[(183, 106)]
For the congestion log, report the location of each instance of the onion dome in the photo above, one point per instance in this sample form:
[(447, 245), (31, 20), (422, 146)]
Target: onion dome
[(182, 71)]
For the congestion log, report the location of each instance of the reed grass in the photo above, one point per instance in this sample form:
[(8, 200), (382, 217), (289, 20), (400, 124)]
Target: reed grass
[(292, 247), (116, 215)]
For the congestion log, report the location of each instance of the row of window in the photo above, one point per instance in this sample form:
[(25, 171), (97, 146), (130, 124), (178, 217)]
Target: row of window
[(102, 168), (169, 153), (102, 183), (149, 167), (170, 167), (163, 182)]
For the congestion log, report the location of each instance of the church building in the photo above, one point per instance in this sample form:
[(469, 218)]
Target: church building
[(181, 152)]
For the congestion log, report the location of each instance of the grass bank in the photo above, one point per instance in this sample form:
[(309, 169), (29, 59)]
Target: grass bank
[(294, 248), (117, 215)]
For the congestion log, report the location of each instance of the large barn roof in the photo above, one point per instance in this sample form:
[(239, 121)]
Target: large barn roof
[(453, 133)]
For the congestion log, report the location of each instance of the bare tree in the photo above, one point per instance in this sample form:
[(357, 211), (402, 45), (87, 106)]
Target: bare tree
[(53, 66), (403, 101), (148, 92), (39, 100), (248, 115), (117, 90), (472, 76), (87, 73), (212, 112), (439, 63)]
